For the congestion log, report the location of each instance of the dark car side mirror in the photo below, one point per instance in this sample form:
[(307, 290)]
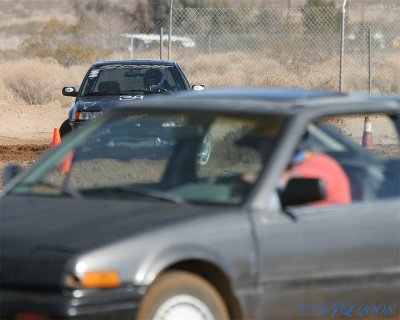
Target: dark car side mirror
[(198, 87), (303, 190), (10, 172), (69, 92)]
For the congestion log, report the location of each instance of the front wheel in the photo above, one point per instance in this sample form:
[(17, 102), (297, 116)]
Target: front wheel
[(178, 295), (65, 128)]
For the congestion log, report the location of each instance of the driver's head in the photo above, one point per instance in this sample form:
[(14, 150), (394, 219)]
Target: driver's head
[(262, 139), (303, 150), (153, 77)]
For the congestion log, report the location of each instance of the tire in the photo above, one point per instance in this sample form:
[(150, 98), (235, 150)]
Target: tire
[(182, 295), (65, 128)]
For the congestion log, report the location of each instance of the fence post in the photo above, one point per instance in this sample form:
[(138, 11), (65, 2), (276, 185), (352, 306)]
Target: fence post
[(369, 60), (170, 30), (161, 42), (342, 46), (131, 48)]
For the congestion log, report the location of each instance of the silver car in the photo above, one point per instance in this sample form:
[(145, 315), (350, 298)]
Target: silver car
[(101, 227)]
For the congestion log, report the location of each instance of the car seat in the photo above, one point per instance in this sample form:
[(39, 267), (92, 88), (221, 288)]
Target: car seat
[(153, 77), (360, 182), (168, 87), (390, 186), (111, 87)]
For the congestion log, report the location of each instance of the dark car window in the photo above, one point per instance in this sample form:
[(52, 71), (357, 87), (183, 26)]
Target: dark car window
[(126, 79)]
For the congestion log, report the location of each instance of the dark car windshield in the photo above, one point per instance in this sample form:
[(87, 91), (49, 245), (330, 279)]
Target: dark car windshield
[(179, 157), (132, 79)]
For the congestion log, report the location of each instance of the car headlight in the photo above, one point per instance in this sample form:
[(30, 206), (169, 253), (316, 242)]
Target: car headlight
[(93, 280), (86, 115)]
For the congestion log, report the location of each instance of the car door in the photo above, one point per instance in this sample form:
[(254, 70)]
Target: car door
[(337, 260), (327, 256)]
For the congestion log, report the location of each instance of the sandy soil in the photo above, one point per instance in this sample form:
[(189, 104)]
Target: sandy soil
[(27, 131), (29, 124)]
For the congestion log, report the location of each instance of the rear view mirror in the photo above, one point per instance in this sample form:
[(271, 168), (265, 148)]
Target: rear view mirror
[(10, 172), (69, 92), (303, 190)]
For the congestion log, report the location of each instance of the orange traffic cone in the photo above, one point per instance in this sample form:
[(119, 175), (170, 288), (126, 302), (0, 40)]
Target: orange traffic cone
[(67, 164), (56, 137), (367, 135)]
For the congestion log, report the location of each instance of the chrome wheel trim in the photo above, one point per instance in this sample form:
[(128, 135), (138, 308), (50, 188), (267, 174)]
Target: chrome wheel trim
[(183, 307)]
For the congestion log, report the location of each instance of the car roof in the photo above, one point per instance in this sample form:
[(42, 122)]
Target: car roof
[(100, 64), (268, 100)]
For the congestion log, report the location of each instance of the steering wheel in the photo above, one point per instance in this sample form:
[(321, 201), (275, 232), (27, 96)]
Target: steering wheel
[(236, 183)]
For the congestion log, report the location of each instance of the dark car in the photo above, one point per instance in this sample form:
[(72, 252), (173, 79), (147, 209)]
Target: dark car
[(98, 229), (120, 80)]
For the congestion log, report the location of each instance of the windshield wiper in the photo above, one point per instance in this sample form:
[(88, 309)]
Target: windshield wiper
[(147, 91), (68, 191), (96, 94), (151, 193)]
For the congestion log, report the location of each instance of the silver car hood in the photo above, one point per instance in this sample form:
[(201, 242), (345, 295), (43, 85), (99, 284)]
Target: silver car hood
[(38, 235)]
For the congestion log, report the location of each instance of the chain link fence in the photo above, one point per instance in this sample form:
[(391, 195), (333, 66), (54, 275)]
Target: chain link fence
[(269, 47), (215, 46)]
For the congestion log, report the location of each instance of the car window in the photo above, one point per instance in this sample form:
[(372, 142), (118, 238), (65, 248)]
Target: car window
[(194, 157), (374, 173), (357, 157), (228, 156)]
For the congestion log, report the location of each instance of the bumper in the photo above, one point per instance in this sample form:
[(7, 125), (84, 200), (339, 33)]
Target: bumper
[(76, 124), (79, 304)]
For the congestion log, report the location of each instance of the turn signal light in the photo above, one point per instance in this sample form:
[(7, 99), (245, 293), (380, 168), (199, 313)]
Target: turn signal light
[(100, 279), (30, 316)]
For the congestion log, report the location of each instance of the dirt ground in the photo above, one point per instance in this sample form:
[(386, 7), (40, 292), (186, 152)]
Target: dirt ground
[(26, 132)]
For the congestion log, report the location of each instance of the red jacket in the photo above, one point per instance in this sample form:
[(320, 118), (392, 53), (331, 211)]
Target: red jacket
[(329, 170)]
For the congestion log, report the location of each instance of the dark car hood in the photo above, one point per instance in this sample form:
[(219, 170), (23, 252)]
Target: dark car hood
[(39, 234), (100, 103)]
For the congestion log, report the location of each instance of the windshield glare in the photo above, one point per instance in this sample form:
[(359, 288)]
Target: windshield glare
[(184, 157), (129, 79)]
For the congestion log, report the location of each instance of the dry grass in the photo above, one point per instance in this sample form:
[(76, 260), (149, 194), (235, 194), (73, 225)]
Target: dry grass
[(252, 69), (37, 82)]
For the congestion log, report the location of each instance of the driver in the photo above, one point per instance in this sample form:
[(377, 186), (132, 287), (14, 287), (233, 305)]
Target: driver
[(309, 164), (153, 80)]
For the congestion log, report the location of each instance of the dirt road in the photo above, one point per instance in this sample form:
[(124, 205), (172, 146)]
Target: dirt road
[(20, 153), (26, 132)]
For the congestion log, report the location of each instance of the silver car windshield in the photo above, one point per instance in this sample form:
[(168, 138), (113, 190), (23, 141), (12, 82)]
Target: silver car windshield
[(176, 157)]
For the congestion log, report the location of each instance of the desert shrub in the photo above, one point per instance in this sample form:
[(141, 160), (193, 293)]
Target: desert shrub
[(8, 97), (226, 68), (65, 42), (28, 85), (37, 82), (321, 16)]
